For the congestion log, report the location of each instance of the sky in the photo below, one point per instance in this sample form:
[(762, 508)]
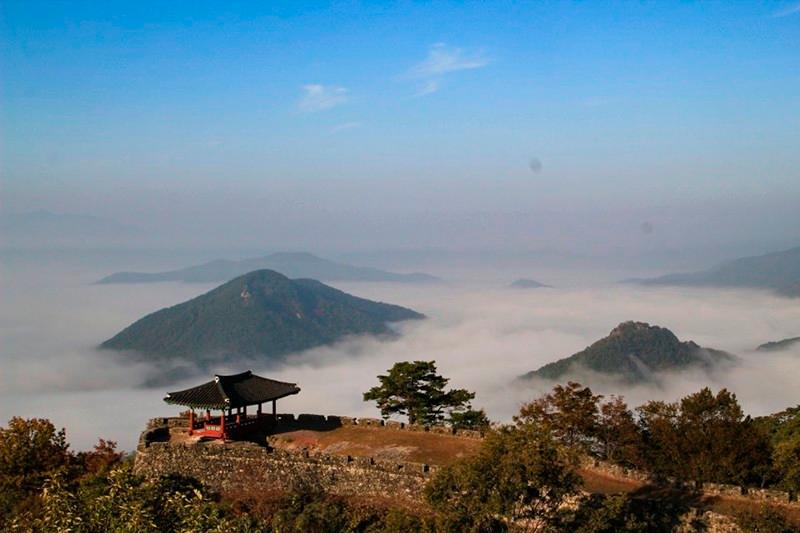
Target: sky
[(373, 125)]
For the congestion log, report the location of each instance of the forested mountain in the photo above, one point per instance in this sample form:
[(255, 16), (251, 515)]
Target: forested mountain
[(779, 345), (261, 314), (634, 351), (778, 271)]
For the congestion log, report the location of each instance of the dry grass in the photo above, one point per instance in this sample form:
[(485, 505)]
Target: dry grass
[(420, 447), (602, 483)]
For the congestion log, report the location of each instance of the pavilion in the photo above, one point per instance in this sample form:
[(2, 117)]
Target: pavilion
[(226, 393)]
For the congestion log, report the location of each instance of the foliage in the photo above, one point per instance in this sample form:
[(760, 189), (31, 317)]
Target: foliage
[(31, 450), (569, 414), (768, 519), (618, 437), (575, 416), (519, 474), (475, 419), (262, 313), (131, 504), (786, 458), (704, 438), (416, 390)]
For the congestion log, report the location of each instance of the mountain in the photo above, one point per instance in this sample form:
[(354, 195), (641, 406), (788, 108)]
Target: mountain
[(633, 351), (261, 314), (528, 284), (294, 265), (779, 345), (777, 271)]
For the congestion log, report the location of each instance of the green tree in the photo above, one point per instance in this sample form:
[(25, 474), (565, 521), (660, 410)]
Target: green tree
[(416, 390), (31, 450), (475, 419), (704, 437), (519, 475), (619, 438), (787, 463), (569, 413)]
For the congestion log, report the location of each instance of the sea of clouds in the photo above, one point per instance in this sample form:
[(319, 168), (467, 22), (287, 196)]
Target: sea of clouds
[(481, 335)]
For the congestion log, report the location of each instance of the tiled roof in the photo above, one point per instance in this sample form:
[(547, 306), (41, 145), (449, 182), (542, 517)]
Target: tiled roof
[(237, 390)]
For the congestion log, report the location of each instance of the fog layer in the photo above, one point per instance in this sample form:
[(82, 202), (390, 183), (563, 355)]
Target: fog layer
[(481, 336)]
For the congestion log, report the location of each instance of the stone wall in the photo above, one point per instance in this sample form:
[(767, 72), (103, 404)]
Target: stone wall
[(243, 465), (709, 489)]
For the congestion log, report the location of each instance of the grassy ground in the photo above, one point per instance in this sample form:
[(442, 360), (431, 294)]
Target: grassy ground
[(421, 447)]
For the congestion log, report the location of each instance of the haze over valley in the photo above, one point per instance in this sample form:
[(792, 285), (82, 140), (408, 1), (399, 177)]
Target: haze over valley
[(400, 266), (53, 317)]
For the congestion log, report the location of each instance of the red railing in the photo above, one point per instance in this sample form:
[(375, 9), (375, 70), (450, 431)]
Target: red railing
[(234, 424)]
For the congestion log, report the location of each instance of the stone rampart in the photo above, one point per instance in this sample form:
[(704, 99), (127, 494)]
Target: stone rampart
[(708, 489), (244, 465)]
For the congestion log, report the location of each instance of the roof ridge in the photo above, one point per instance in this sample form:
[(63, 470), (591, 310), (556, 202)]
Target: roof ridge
[(221, 388)]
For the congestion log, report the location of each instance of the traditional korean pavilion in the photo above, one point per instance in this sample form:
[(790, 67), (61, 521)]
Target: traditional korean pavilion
[(231, 395)]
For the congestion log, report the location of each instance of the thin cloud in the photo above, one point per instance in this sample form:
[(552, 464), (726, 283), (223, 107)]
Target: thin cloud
[(318, 97), (430, 87), (791, 10), (442, 60), (344, 127)]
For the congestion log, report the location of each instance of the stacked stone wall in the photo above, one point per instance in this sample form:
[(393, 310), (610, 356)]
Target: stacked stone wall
[(242, 465)]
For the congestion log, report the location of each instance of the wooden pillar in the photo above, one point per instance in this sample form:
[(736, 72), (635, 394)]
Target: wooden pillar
[(238, 415), (208, 415), (274, 409), (191, 422), (259, 410), (222, 424)]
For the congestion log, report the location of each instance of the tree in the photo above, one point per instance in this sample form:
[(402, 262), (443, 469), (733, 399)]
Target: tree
[(569, 412), (416, 390), (619, 438), (31, 450), (787, 463), (474, 419), (704, 437), (519, 475)]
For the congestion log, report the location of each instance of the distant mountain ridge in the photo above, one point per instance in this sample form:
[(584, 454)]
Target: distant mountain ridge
[(633, 351), (291, 264), (525, 283), (262, 315), (779, 345), (777, 271)]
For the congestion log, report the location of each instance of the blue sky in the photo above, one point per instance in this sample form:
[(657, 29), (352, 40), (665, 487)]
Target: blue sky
[(622, 102)]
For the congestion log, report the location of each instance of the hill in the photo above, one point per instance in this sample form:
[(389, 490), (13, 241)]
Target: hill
[(634, 351), (777, 271), (779, 345), (262, 314), (528, 284), (293, 265)]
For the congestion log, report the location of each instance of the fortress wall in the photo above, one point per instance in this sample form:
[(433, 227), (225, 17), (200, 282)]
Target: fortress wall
[(243, 465), (709, 489)]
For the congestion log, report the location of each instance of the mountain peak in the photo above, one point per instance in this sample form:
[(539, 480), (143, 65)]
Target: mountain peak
[(525, 283), (633, 351), (292, 264), (261, 314)]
